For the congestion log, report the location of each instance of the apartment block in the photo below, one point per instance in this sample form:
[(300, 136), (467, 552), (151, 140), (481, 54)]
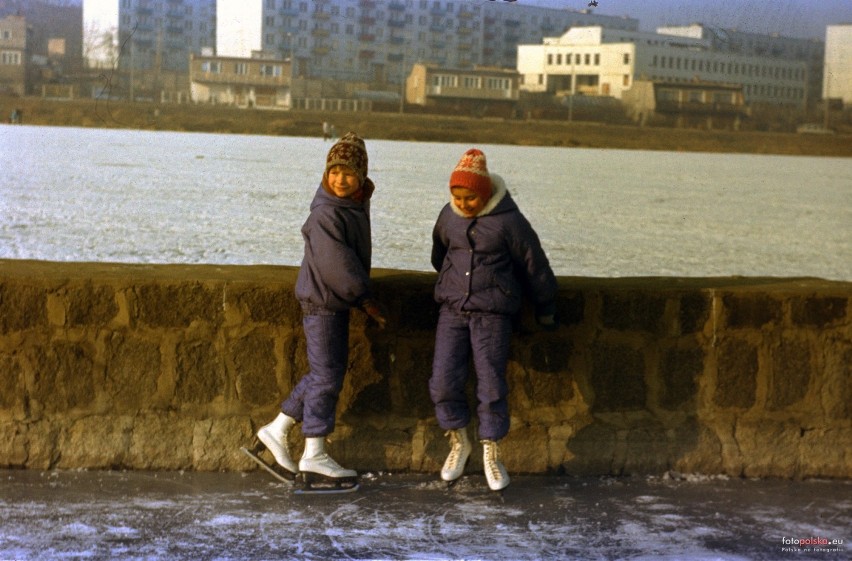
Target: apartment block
[(837, 83), (160, 35), (378, 41), (14, 55), (606, 62)]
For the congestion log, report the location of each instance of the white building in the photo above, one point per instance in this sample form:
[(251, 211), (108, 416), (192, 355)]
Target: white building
[(599, 61), (837, 81)]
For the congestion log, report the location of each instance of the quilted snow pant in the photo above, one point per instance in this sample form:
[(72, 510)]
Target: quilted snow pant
[(486, 337), (314, 399)]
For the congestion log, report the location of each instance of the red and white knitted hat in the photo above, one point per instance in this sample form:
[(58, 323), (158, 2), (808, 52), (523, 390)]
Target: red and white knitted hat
[(472, 173)]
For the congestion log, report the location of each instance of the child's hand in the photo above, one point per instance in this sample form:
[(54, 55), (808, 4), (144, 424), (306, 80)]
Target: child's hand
[(545, 316), (373, 309)]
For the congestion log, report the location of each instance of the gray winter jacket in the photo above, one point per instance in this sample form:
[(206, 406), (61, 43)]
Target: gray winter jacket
[(335, 271), (487, 263)]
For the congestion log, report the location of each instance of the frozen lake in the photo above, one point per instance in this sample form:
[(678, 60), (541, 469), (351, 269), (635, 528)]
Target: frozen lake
[(72, 194)]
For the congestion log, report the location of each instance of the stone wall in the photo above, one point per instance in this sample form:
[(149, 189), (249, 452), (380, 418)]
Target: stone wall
[(174, 367)]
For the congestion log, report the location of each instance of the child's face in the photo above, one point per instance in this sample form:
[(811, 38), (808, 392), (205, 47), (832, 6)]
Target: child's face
[(343, 181), (468, 202)]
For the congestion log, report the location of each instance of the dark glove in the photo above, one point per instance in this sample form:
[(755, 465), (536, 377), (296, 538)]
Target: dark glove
[(545, 316), (375, 310)]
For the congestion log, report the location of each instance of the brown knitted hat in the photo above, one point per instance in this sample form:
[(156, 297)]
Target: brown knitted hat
[(349, 151)]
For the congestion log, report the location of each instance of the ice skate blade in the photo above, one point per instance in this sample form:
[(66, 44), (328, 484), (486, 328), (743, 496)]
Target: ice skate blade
[(275, 470), (309, 483)]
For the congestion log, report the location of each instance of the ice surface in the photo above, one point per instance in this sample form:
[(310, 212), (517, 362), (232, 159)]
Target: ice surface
[(72, 194), (190, 516)]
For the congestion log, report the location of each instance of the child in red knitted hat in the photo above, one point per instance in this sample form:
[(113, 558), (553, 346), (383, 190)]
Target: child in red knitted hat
[(487, 256)]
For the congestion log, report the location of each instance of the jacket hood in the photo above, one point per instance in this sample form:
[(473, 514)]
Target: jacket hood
[(323, 196), (498, 193)]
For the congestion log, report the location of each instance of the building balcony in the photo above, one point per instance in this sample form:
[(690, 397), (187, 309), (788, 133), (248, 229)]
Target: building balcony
[(468, 93), (395, 40), (321, 15), (144, 11), (366, 53), (367, 20), (366, 37), (367, 4), (320, 32), (320, 50), (397, 6), (512, 23), (464, 14), (396, 23), (396, 57)]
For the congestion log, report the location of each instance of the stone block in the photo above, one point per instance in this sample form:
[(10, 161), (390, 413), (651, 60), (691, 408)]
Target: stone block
[(12, 389), (133, 368), (617, 377), (254, 362), (24, 307), (161, 440), (90, 304), (736, 374), (98, 442), (791, 373), (418, 312), (550, 354), (216, 443), (13, 446), (571, 308), (63, 376), (275, 305), (593, 449), (694, 312), (751, 310), (818, 311), (837, 390), (633, 311), (199, 372), (819, 460), (177, 305), (411, 372), (679, 371), (769, 448), (524, 450), (647, 450), (695, 448)]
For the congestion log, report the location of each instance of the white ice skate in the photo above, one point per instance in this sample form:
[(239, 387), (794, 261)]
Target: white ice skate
[(319, 473), (458, 456), (495, 472), (273, 437)]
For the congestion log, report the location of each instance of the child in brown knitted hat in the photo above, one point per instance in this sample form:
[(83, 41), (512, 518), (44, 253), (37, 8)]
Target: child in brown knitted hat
[(334, 277)]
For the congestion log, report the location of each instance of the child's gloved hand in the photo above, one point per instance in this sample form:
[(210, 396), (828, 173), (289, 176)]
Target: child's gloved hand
[(545, 316), (375, 310)]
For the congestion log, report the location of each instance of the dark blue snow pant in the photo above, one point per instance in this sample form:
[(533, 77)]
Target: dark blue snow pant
[(487, 337), (314, 400)]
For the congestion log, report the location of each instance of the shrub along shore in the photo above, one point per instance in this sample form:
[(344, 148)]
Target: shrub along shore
[(416, 127)]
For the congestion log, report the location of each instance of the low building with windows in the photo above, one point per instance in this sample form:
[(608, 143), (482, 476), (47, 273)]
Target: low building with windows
[(244, 82), (687, 104), (14, 67), (606, 62), (477, 91)]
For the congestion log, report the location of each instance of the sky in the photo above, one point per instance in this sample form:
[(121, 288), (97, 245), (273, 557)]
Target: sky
[(795, 18)]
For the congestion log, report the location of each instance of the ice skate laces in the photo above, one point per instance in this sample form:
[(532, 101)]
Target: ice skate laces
[(456, 447), (492, 459)]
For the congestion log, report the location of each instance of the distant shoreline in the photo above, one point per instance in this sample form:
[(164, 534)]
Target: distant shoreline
[(417, 127)]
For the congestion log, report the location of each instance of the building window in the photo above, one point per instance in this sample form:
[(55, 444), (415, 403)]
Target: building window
[(588, 59), (445, 80), (549, 58), (497, 83), (213, 67), (270, 70), (10, 58), (597, 59), (241, 68), (626, 81), (472, 82), (627, 59)]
